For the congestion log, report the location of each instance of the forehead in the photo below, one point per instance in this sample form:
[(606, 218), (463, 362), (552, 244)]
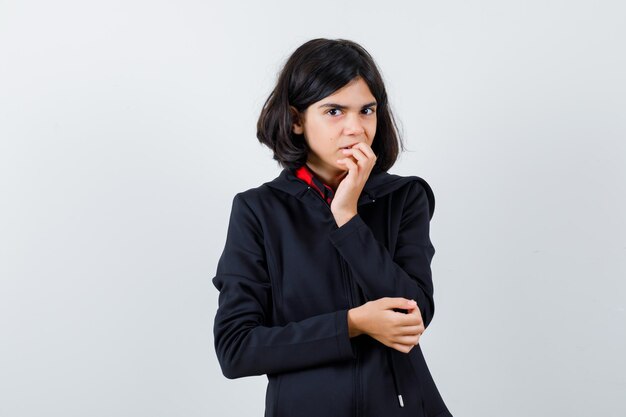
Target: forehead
[(356, 87), (354, 94)]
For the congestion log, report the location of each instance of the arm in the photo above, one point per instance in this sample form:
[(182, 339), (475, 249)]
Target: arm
[(244, 342), (408, 274)]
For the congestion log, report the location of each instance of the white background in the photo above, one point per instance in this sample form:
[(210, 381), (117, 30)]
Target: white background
[(127, 127)]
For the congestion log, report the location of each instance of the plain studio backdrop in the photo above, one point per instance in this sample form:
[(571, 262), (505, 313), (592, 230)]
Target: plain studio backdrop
[(128, 126)]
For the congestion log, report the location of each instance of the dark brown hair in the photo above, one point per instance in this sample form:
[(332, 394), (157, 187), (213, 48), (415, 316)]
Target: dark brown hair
[(316, 70)]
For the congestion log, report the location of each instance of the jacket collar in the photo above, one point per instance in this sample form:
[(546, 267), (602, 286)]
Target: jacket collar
[(378, 184)]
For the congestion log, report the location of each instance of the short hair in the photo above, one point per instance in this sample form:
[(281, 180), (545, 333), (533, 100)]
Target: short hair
[(316, 70)]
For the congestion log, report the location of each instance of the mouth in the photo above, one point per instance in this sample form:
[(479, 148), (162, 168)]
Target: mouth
[(349, 146)]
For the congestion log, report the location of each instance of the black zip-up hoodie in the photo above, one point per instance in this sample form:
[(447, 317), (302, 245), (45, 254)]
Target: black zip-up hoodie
[(288, 276)]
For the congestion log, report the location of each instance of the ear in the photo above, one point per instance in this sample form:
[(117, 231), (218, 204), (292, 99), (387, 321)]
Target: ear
[(297, 126)]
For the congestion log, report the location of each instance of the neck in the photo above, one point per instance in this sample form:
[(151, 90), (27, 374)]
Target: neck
[(328, 175)]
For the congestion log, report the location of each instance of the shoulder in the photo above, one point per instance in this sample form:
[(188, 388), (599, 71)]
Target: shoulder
[(250, 195), (253, 203), (420, 190), (425, 188), (253, 195), (416, 187), (245, 202)]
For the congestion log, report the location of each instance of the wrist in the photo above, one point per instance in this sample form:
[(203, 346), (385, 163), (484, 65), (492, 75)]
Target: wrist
[(343, 218), (354, 328)]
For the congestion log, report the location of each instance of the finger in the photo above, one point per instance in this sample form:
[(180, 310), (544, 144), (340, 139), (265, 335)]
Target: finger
[(415, 312), (407, 340), (350, 164), (409, 320), (357, 153), (399, 302), (344, 161), (414, 309), (368, 154), (366, 149), (410, 330), (402, 348)]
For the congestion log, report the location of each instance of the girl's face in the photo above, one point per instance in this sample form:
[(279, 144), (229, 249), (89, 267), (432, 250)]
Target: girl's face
[(337, 121)]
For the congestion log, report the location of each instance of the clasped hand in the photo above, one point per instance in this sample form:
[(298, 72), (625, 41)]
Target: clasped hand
[(378, 319)]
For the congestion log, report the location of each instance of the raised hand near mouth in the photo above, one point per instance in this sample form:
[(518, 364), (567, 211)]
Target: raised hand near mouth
[(359, 161)]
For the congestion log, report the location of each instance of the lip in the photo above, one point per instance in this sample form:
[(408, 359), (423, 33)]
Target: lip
[(348, 146)]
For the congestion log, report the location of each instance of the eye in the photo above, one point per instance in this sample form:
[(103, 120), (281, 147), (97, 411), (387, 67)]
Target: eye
[(332, 110), (369, 108)]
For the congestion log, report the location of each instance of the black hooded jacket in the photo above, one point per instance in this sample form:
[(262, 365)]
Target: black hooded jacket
[(288, 276)]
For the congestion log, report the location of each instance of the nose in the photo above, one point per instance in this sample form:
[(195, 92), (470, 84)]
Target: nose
[(353, 125)]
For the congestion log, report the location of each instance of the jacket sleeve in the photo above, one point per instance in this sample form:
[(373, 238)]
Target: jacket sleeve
[(408, 274), (245, 342)]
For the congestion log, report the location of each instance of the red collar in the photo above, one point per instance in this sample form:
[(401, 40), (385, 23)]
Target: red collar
[(305, 174)]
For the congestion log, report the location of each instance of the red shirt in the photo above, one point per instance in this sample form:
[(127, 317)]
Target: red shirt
[(305, 173)]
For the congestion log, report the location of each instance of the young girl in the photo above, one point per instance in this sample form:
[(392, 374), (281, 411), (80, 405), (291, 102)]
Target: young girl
[(324, 282)]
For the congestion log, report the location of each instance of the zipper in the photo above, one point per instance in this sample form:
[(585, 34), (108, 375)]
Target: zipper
[(356, 369), (352, 303)]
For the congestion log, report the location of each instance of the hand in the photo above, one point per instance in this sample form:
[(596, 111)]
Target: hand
[(359, 160), (394, 329)]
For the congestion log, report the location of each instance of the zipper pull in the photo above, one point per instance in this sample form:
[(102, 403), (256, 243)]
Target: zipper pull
[(400, 400)]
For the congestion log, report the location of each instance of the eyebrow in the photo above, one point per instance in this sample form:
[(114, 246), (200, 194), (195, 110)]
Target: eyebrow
[(342, 107)]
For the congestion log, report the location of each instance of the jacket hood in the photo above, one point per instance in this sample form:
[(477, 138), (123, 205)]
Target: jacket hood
[(378, 184)]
